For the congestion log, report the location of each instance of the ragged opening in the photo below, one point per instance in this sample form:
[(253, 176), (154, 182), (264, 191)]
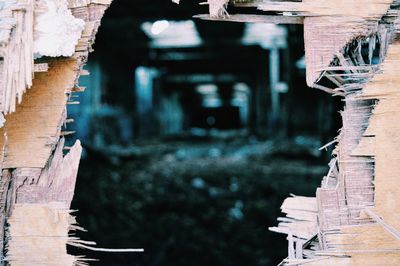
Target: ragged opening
[(193, 133)]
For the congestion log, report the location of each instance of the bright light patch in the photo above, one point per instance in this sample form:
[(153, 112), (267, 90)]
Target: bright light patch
[(266, 35), (167, 34), (207, 89), (159, 26)]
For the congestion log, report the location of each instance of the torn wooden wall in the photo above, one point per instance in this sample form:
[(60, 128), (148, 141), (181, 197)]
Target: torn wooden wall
[(53, 39), (16, 52), (352, 46)]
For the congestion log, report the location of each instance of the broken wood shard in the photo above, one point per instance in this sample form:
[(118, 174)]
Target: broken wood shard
[(36, 126), (55, 183), (300, 220)]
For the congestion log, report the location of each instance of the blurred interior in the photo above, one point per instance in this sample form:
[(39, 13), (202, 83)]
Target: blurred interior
[(194, 132)]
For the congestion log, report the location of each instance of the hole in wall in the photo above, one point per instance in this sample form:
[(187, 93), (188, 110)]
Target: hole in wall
[(194, 132)]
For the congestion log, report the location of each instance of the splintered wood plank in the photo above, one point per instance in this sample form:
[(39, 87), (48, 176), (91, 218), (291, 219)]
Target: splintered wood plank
[(255, 19), (16, 49), (31, 133), (55, 183), (39, 220), (301, 217)]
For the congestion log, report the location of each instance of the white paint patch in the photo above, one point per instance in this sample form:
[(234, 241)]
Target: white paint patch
[(56, 30)]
